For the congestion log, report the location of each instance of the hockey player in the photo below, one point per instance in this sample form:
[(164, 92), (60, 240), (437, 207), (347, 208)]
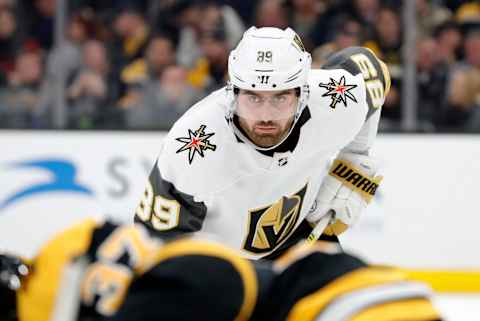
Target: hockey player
[(102, 271), (249, 163)]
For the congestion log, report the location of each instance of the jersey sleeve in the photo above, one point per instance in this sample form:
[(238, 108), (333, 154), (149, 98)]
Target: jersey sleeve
[(321, 282), (167, 211), (192, 280), (362, 60), (375, 73), (187, 171), (134, 276)]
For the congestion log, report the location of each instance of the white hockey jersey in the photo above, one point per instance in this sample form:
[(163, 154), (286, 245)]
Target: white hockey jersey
[(206, 178)]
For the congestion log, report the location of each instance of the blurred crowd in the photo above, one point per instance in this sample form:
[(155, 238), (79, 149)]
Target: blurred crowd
[(140, 64)]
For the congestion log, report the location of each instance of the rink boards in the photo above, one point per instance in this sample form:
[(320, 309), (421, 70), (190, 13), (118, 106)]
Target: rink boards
[(424, 217)]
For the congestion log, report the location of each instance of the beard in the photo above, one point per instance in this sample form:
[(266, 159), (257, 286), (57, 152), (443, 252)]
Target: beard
[(265, 134)]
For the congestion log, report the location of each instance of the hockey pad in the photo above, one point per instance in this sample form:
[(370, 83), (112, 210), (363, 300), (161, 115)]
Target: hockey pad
[(350, 185)]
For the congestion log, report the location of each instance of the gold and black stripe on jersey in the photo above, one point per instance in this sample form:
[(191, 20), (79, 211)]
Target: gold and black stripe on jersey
[(132, 276), (37, 297), (375, 73), (166, 211), (302, 271), (152, 279), (319, 283), (210, 281), (371, 293), (192, 280)]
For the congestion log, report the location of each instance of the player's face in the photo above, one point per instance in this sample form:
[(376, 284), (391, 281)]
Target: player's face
[(266, 116)]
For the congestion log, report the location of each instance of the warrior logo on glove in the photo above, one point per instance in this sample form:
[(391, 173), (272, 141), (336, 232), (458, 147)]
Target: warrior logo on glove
[(364, 185)]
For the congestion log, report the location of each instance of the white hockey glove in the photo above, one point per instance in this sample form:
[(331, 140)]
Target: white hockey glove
[(347, 189)]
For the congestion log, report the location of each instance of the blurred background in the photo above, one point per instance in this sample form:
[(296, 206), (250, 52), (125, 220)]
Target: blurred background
[(89, 88), (139, 64)]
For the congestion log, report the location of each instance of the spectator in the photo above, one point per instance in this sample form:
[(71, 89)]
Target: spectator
[(143, 72), (190, 26), (349, 34), (200, 33), (160, 54), (464, 87), (387, 41), (215, 50), (41, 22), (468, 16), (468, 13), (69, 55), (430, 16), (107, 7), (449, 40), (304, 17), (23, 93), (367, 12), (7, 3), (387, 44), (215, 17), (162, 102), (271, 13), (432, 73), (10, 40), (132, 34), (462, 113), (206, 17), (197, 56), (171, 17), (244, 8), (92, 92)]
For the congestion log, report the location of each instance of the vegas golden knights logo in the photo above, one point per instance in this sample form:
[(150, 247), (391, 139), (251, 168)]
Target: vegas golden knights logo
[(299, 42), (269, 226)]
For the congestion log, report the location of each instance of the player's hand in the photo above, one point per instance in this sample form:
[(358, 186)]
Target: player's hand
[(346, 190)]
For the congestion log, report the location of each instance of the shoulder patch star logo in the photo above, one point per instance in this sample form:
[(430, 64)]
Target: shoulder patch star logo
[(197, 142), (338, 91)]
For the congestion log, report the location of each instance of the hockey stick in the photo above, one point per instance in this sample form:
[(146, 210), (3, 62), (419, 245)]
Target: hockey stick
[(320, 227)]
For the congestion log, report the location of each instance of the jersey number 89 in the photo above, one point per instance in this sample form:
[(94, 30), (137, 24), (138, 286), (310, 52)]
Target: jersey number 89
[(163, 213)]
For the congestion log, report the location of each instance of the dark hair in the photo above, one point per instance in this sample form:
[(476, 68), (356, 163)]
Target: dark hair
[(217, 34), (447, 25), (161, 35)]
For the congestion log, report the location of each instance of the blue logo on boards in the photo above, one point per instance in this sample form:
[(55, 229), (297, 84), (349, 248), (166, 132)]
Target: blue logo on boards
[(63, 179)]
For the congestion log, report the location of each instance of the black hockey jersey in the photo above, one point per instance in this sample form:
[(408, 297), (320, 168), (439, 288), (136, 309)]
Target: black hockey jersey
[(102, 271)]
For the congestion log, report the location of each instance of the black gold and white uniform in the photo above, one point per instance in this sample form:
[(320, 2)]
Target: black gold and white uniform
[(207, 178), (102, 271)]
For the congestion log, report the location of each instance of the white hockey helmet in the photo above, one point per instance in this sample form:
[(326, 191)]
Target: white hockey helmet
[(269, 59)]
